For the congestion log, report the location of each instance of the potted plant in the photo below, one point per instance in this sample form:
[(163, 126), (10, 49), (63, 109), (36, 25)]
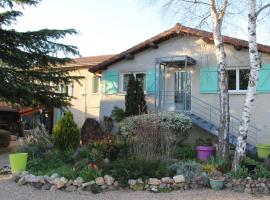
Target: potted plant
[(18, 162), (216, 180), (204, 148), (250, 164), (263, 150)]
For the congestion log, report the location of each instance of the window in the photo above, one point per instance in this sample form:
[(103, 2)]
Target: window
[(65, 89), (95, 84), (238, 79), (140, 76)]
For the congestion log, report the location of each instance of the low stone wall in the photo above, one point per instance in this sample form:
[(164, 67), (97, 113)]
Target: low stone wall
[(165, 184), (259, 186)]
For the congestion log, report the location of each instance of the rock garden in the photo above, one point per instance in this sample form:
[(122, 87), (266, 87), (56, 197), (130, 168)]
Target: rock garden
[(148, 152)]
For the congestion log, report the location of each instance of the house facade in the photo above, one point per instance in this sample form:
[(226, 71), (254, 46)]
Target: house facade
[(86, 94), (178, 70)]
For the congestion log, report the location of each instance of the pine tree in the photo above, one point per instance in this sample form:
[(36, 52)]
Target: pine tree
[(141, 103), (135, 98), (29, 67), (130, 100)]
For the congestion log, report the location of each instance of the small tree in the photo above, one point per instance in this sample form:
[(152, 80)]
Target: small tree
[(141, 103), (66, 134), (135, 98)]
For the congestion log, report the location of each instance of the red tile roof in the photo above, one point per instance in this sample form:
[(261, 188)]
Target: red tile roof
[(86, 62), (177, 30)]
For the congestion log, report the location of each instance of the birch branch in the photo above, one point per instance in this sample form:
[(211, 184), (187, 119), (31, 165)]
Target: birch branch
[(261, 9)]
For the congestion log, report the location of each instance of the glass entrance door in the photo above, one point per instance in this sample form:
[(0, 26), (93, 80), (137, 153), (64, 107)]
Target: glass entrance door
[(182, 97)]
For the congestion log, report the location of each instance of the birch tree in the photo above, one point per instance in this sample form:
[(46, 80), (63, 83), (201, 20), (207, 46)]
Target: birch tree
[(200, 12), (255, 66)]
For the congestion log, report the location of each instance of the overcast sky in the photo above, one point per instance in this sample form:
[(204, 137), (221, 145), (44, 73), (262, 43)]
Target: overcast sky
[(105, 26)]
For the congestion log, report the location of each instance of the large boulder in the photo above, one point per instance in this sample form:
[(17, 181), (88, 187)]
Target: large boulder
[(90, 130)]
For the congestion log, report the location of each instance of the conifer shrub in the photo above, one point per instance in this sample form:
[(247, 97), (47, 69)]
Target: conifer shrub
[(66, 134)]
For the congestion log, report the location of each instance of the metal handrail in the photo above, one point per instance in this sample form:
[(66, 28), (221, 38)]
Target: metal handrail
[(205, 110)]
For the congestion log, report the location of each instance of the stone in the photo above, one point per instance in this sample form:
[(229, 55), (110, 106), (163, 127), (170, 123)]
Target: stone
[(88, 183), (132, 182), (167, 180), (146, 186), (103, 187), (46, 186), (30, 178), (71, 188), (21, 181), (115, 184), (78, 181), (37, 185), (228, 185), (54, 176), (153, 181), (106, 160), (24, 173), (154, 188), (46, 178), (108, 180), (248, 190), (70, 182), (179, 179), (53, 188), (90, 129), (16, 177), (40, 179), (61, 182), (239, 188), (162, 186), (100, 181), (54, 181), (140, 181), (137, 187)]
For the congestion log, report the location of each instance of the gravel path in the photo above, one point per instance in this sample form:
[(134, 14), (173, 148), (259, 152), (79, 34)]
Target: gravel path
[(10, 191)]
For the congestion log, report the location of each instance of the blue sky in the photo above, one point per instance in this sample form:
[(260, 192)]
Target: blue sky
[(105, 26)]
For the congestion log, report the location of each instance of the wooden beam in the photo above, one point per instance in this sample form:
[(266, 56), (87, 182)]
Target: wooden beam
[(237, 47), (153, 45), (129, 56)]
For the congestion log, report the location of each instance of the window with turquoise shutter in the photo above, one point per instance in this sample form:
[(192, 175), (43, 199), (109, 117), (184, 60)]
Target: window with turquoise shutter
[(111, 82), (208, 80), (264, 79), (151, 81)]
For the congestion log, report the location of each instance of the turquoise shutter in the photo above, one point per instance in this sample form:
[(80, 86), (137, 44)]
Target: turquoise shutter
[(58, 114), (264, 79), (208, 80), (111, 82), (151, 81)]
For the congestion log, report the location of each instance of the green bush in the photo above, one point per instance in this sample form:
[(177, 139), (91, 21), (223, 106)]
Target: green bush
[(118, 114), (123, 170), (260, 172), (185, 152), (66, 134), (189, 169), (240, 173)]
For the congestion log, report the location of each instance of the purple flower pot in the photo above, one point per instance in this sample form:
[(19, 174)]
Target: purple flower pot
[(205, 152)]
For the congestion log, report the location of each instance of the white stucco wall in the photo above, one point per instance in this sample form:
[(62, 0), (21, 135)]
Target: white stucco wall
[(204, 54), (84, 106)]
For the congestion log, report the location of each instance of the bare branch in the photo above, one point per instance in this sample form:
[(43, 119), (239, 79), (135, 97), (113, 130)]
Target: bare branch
[(261, 9), (223, 9)]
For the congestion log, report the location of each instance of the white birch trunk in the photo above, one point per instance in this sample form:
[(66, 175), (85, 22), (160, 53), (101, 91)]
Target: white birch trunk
[(223, 146), (255, 65)]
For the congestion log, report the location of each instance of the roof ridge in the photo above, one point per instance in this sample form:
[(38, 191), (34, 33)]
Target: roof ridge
[(176, 30)]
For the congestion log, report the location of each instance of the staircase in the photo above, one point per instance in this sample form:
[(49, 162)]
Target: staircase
[(206, 116)]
